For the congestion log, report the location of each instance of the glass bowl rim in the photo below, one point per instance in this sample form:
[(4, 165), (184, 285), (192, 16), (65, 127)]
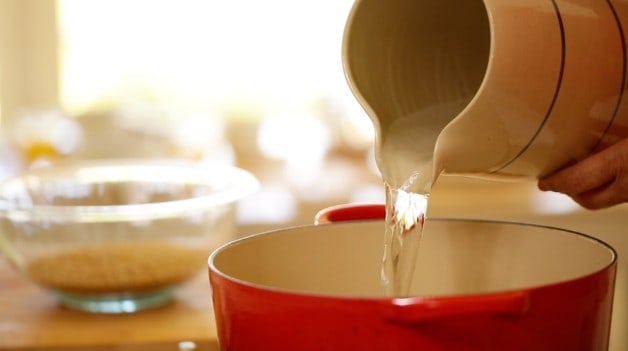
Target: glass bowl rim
[(238, 184)]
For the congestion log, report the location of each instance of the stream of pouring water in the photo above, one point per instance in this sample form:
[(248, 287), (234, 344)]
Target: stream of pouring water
[(405, 218), (405, 149)]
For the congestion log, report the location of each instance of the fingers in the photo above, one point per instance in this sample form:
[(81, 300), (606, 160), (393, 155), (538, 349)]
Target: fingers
[(601, 197), (590, 173), (599, 181)]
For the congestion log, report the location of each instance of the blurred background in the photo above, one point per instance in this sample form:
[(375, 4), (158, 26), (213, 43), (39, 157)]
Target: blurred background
[(257, 84)]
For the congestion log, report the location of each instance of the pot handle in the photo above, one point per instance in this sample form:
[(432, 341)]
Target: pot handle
[(350, 212), (417, 309), (420, 309)]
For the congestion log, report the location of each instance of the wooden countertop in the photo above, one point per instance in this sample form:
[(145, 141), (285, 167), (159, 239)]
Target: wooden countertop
[(31, 319)]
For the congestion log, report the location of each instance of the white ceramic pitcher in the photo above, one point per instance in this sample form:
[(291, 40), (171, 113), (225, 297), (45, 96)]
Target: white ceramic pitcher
[(496, 87)]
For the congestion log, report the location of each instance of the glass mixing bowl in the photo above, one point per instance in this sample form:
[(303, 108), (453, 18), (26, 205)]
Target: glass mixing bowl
[(115, 236)]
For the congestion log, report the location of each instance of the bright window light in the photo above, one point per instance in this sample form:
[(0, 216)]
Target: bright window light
[(198, 52)]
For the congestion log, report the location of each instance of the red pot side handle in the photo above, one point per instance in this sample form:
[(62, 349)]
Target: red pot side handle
[(424, 309), (418, 309), (350, 212)]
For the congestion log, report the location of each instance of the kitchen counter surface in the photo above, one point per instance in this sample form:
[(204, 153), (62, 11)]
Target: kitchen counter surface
[(30, 319)]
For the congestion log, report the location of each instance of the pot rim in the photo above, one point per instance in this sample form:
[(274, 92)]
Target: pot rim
[(403, 300)]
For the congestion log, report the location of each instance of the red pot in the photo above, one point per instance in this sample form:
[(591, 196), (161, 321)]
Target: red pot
[(478, 285)]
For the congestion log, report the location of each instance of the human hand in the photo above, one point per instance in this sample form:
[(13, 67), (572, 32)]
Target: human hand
[(598, 181)]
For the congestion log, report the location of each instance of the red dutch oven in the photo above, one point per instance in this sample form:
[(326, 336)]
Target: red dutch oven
[(478, 285)]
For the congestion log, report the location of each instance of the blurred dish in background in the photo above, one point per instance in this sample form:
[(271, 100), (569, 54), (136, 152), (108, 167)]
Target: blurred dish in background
[(115, 236)]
